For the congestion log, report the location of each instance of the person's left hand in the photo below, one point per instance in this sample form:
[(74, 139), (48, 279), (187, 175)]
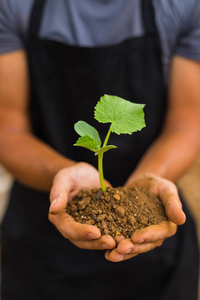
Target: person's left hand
[(152, 236)]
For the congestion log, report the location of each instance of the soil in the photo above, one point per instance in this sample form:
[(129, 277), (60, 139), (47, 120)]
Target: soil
[(118, 211)]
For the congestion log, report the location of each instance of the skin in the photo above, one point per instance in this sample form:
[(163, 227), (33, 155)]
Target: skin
[(64, 177)]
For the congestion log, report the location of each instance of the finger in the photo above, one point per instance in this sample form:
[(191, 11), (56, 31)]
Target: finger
[(118, 258), (154, 233), (83, 236), (115, 256), (124, 247), (59, 193), (104, 243), (127, 256), (173, 206), (73, 230), (119, 238), (58, 200), (150, 234), (138, 249)]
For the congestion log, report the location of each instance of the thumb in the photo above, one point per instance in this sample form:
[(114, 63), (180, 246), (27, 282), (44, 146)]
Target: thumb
[(58, 200), (173, 208), (169, 195), (175, 213)]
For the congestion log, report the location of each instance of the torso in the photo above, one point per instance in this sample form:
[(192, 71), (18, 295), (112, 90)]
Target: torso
[(95, 23)]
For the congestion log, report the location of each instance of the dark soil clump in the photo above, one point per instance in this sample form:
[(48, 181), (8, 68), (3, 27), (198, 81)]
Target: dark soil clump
[(118, 211)]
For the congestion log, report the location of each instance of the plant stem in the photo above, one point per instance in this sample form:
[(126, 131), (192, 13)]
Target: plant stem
[(100, 167), (100, 162), (107, 137)]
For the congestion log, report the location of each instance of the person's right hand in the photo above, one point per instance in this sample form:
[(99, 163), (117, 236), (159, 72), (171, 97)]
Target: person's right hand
[(67, 183)]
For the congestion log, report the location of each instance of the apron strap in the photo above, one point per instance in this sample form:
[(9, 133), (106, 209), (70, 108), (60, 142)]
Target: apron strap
[(36, 17), (148, 16), (150, 27)]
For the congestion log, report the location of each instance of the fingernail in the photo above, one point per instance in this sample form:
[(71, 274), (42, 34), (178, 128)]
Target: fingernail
[(53, 203), (105, 246), (129, 251), (93, 236), (140, 241), (121, 258)]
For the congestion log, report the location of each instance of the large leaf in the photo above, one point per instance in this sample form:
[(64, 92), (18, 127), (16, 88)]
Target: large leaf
[(125, 116), (83, 128), (87, 142)]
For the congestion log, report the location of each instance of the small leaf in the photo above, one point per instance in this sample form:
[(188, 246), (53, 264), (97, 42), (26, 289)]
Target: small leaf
[(104, 149), (84, 129), (87, 142), (125, 117)]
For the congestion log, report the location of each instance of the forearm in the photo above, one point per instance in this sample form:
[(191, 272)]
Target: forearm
[(31, 161), (170, 155), (179, 143)]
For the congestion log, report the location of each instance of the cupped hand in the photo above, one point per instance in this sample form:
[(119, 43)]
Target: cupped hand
[(67, 183), (152, 236)]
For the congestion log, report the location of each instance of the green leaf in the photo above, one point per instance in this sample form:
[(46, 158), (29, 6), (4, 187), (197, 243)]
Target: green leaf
[(104, 149), (84, 129), (87, 142), (125, 117)]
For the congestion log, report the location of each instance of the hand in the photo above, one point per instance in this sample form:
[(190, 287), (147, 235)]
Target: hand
[(67, 183), (152, 236)]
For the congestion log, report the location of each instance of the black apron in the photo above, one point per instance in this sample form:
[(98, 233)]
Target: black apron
[(66, 83)]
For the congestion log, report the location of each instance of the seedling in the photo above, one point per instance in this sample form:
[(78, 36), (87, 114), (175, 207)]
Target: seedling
[(125, 117)]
